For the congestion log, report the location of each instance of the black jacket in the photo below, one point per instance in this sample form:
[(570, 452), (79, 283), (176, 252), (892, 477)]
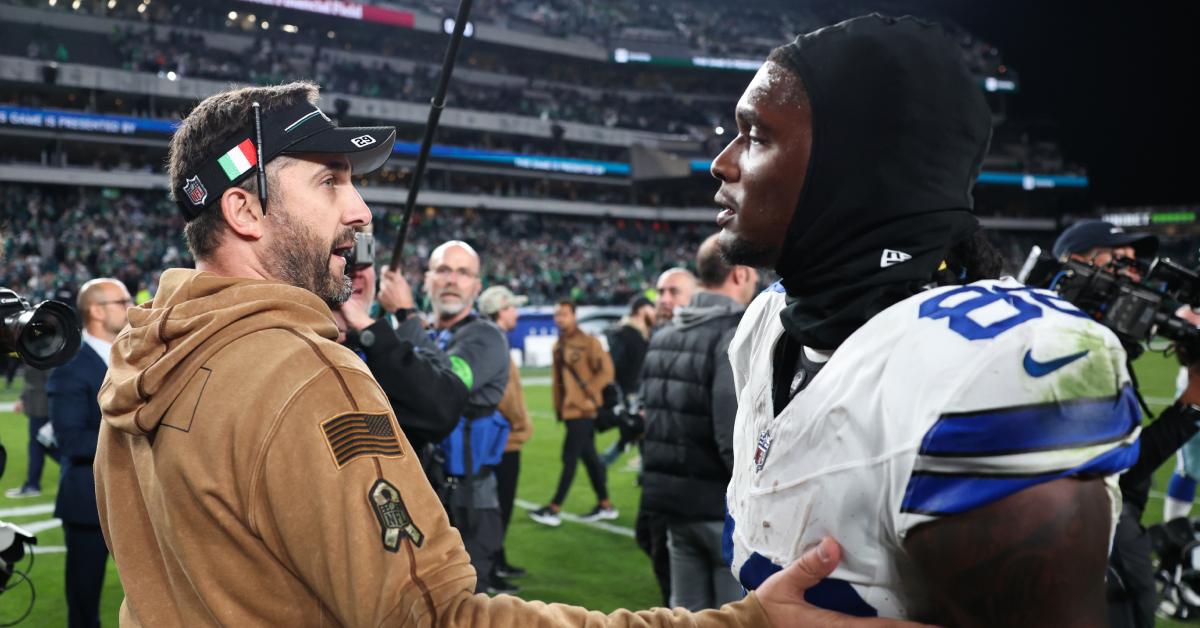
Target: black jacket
[(428, 386), (1170, 431), (627, 346), (690, 402)]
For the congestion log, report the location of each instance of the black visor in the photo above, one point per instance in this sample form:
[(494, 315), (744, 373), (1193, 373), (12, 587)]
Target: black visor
[(299, 128)]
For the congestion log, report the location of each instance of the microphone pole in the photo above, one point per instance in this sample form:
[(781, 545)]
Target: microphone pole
[(435, 114)]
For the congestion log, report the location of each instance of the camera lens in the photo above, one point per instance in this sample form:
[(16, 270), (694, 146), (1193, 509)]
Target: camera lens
[(44, 336), (41, 339)]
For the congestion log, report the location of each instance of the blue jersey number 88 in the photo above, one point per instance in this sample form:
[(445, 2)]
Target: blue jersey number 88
[(1018, 299)]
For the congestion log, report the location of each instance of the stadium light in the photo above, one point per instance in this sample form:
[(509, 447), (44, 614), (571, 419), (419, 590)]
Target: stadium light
[(448, 27), (75, 5), (331, 35), (171, 75), (141, 8), (53, 2), (291, 28), (112, 4), (233, 15), (266, 25), (251, 18), (719, 130)]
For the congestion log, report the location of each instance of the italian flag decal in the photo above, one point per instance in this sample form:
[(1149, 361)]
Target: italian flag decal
[(238, 160)]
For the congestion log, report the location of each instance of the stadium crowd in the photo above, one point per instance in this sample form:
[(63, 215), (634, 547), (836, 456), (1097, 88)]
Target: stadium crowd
[(268, 60), (672, 107), (58, 238)]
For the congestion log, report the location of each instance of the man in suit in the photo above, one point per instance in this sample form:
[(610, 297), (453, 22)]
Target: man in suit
[(75, 415)]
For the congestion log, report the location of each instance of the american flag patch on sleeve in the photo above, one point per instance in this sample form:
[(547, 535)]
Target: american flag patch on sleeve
[(355, 435)]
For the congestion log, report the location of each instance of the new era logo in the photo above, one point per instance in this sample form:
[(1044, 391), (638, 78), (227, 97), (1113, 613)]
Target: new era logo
[(891, 258), (363, 140)]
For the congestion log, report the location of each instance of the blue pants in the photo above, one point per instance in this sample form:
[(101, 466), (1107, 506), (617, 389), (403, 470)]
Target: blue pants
[(37, 454)]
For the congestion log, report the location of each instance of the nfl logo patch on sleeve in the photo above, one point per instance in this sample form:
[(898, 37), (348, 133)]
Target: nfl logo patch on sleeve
[(393, 517)]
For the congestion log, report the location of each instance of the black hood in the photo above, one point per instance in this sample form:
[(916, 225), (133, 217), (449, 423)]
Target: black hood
[(900, 129)]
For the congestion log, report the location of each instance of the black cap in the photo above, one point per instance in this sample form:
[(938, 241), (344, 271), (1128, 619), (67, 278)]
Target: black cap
[(298, 128), (639, 302), (1086, 235)]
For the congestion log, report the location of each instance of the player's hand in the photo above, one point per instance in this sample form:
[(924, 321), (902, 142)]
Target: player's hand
[(394, 291), (782, 595), (19, 407)]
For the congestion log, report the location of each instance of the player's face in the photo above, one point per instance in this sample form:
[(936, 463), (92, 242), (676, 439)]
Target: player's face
[(452, 281), (762, 170), (313, 212)]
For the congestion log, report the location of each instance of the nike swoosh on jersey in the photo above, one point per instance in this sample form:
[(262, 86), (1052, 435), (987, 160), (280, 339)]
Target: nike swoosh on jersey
[(1042, 369)]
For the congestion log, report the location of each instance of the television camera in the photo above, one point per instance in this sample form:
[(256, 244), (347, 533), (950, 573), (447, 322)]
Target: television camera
[(42, 336), (1136, 299)]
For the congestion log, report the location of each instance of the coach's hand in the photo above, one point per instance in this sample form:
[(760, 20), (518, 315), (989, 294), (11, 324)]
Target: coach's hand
[(782, 595), (394, 291)]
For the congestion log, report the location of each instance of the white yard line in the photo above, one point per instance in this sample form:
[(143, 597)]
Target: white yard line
[(49, 549), (566, 516), (41, 526), (7, 406), (24, 511), (535, 381)]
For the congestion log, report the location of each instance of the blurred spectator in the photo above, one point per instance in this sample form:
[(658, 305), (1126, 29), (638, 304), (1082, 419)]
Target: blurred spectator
[(581, 371), (34, 405), (500, 305), (687, 453), (75, 415)]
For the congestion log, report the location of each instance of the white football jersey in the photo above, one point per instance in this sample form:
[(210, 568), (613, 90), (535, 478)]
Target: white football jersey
[(947, 401)]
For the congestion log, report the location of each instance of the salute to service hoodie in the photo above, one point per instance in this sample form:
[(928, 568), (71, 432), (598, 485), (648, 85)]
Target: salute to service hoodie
[(251, 472)]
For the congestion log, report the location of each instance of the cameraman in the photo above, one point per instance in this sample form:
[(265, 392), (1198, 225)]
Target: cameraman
[(402, 360), (1133, 596), (477, 354)]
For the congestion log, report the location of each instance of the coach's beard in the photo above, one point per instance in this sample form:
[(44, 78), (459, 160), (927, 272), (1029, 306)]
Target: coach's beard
[(296, 255)]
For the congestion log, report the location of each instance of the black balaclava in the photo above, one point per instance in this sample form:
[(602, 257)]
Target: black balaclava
[(900, 129)]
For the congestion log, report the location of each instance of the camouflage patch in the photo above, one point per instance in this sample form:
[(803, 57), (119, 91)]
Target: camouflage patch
[(393, 516), (355, 435)]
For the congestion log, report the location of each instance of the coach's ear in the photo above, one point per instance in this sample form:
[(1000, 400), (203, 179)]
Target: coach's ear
[(242, 213)]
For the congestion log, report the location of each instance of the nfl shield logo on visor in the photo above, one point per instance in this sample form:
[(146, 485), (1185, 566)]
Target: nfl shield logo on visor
[(195, 191)]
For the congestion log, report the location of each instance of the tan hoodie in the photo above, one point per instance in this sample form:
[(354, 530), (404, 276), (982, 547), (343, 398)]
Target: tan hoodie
[(250, 472)]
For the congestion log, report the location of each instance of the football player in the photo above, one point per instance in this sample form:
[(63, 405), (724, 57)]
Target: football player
[(960, 440)]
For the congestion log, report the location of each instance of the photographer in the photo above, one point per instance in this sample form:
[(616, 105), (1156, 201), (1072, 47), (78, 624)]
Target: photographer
[(1133, 597)]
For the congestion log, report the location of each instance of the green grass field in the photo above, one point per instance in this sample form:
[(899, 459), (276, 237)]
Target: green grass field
[(574, 563)]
